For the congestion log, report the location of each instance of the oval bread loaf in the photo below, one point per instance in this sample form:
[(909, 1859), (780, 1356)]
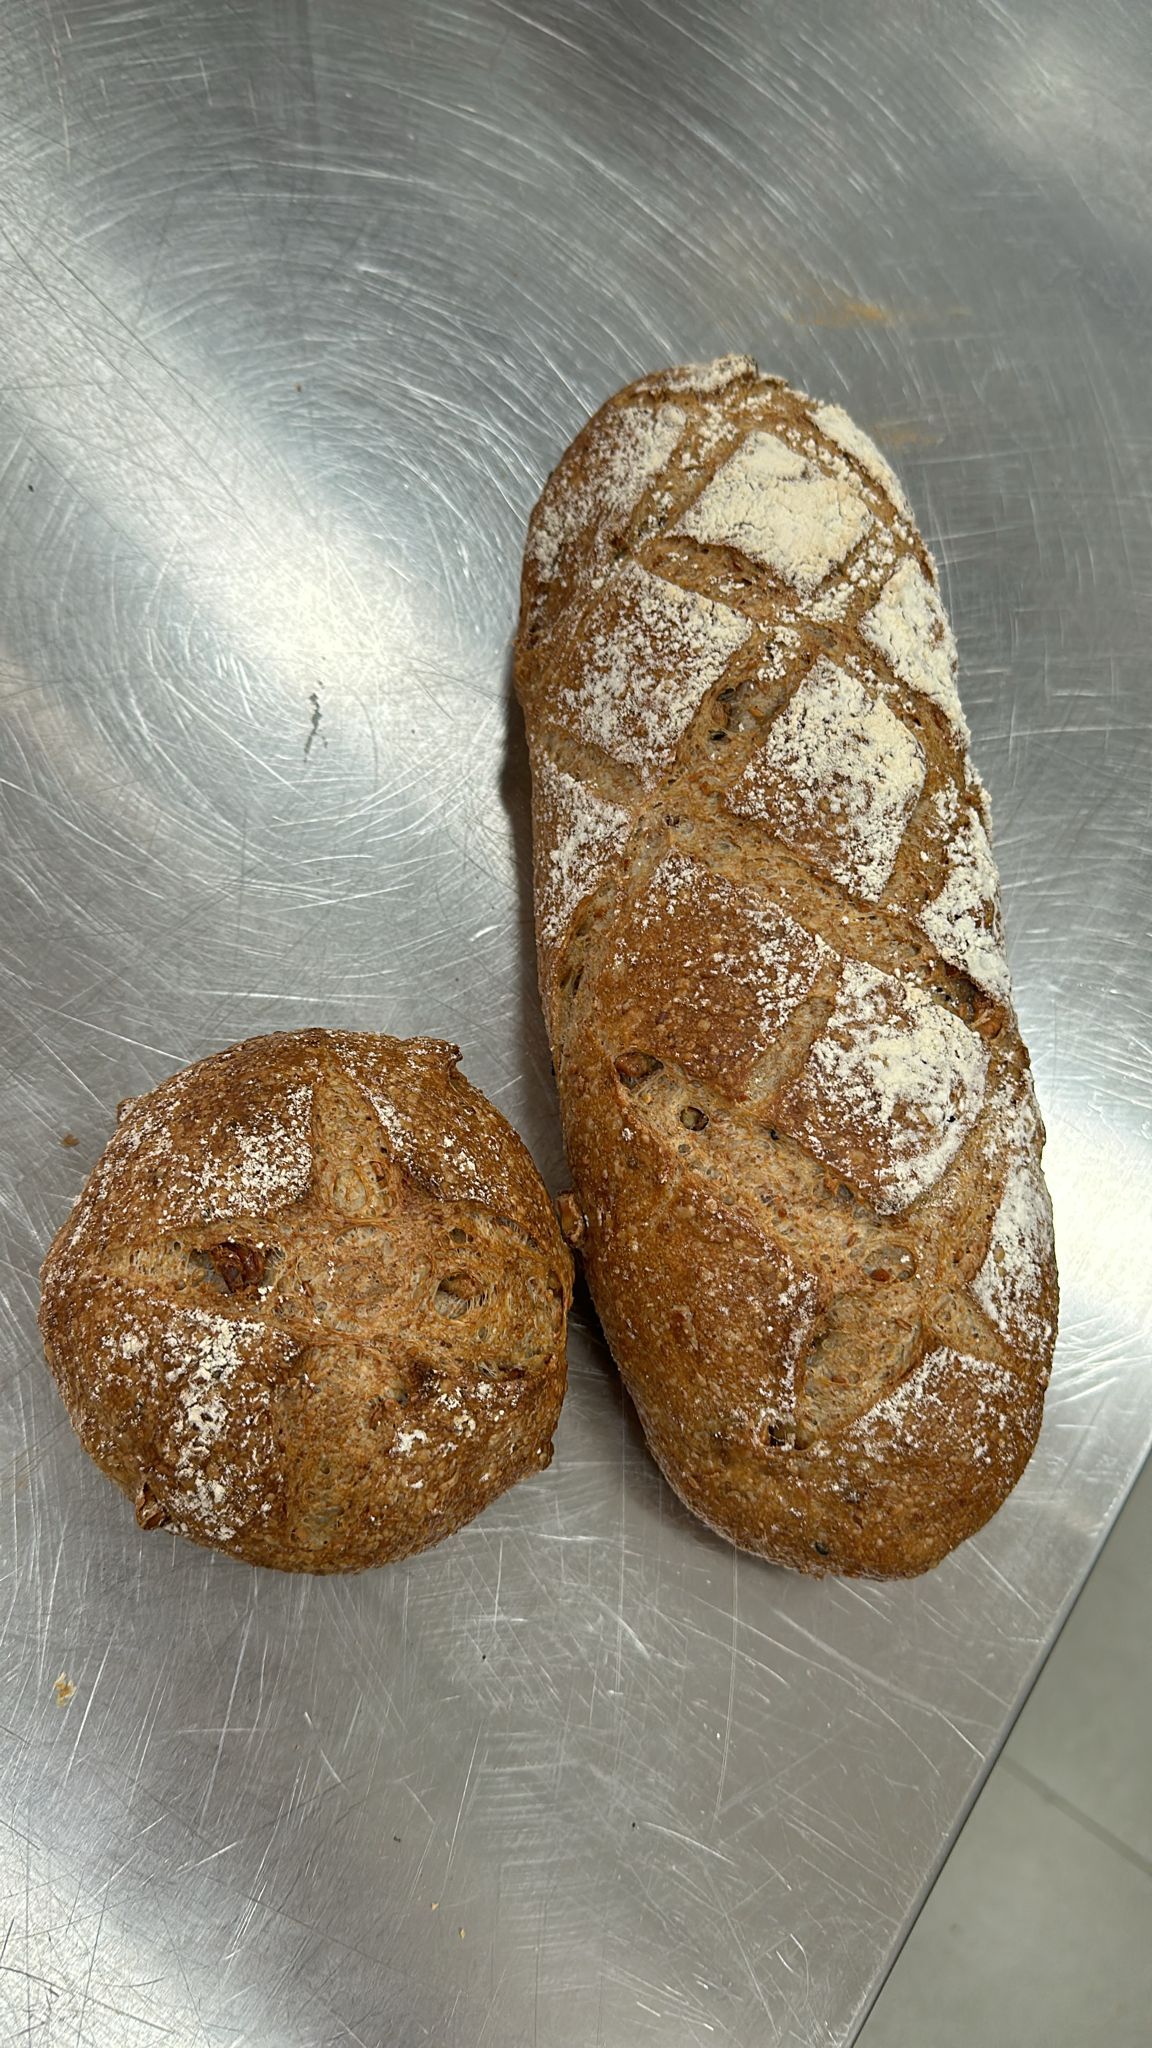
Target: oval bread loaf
[(798, 1112), (310, 1305)]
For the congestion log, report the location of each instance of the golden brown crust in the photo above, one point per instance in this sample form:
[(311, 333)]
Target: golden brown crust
[(310, 1306), (797, 1107)]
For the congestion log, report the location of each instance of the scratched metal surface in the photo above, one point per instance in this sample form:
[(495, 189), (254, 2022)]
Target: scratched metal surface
[(299, 301)]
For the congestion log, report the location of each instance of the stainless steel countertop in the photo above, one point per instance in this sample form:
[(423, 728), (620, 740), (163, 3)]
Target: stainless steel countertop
[(299, 301)]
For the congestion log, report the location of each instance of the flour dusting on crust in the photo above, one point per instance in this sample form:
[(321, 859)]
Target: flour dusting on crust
[(920, 1410), (632, 447), (908, 627), (647, 665), (732, 945), (203, 1354), (829, 608), (839, 428), (1010, 1283), (782, 509), (704, 378), (270, 1163), (584, 831), (838, 777), (891, 1087), (963, 920)]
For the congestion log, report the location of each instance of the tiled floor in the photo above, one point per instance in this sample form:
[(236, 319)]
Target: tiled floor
[(1039, 1931)]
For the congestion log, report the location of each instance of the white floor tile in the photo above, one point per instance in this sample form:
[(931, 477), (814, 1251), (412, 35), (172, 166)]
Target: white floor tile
[(1039, 1931), (1037, 1936), (1087, 1729)]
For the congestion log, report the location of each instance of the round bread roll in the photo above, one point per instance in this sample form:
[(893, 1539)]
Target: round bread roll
[(309, 1308)]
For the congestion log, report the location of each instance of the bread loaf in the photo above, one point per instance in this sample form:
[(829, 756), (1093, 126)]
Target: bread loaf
[(310, 1306), (798, 1112)]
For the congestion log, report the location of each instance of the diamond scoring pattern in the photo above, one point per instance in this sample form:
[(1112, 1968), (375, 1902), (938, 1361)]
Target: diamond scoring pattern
[(855, 1150), (839, 774)]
